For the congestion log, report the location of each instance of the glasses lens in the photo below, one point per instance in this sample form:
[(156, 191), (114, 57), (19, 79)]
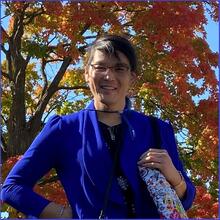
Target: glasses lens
[(99, 68), (120, 68)]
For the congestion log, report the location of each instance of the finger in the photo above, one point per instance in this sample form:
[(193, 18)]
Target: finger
[(157, 150), (151, 165), (162, 158), (161, 154), (151, 150), (150, 159), (143, 155)]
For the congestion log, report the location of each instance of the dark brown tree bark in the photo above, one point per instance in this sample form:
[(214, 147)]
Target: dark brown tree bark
[(21, 131)]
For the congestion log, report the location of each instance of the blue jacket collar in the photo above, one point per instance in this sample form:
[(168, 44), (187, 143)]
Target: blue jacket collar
[(97, 161), (123, 114)]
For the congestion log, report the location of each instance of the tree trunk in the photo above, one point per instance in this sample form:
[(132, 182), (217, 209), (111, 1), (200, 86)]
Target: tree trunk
[(21, 132), (19, 140)]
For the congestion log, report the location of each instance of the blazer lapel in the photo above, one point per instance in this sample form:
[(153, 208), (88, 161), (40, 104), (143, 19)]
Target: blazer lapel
[(96, 159)]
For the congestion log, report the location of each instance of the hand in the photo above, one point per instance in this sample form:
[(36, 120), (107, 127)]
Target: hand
[(160, 159)]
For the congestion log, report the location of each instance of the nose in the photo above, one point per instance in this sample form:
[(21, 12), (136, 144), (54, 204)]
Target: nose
[(109, 74)]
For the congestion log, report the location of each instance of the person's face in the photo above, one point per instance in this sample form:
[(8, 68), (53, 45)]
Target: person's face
[(109, 86)]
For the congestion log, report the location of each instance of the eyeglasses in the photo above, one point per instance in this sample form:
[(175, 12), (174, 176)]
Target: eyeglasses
[(119, 68)]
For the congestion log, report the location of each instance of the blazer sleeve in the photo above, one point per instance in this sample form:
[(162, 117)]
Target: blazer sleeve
[(169, 143), (41, 156)]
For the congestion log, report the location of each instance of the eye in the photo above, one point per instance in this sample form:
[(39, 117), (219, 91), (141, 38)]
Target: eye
[(121, 68), (100, 68)]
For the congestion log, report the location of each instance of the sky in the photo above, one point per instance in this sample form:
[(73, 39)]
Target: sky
[(212, 29)]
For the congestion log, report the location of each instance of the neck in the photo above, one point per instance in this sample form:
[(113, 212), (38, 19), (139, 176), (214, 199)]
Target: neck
[(105, 107), (110, 119), (107, 115)]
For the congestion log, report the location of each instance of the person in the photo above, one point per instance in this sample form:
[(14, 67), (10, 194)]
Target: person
[(97, 151)]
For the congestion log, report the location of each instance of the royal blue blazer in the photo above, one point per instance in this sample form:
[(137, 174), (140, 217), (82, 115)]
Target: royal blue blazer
[(75, 147)]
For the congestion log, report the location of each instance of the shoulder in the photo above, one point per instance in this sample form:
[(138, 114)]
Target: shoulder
[(59, 129), (62, 122), (142, 118), (161, 123)]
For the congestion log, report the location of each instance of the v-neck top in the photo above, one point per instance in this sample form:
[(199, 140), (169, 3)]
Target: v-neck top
[(113, 136)]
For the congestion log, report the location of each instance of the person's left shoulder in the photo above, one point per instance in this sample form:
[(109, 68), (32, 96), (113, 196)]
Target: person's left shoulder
[(162, 122), (139, 116), (165, 126)]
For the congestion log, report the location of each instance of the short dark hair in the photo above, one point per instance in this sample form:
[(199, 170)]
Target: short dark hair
[(111, 44)]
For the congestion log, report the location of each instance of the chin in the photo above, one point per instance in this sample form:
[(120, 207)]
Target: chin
[(108, 102)]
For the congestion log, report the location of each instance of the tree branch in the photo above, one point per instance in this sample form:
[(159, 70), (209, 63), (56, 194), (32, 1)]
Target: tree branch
[(72, 87), (4, 146), (4, 17), (49, 112), (4, 32), (52, 40), (54, 60), (85, 28), (33, 15), (53, 86), (7, 3), (44, 76), (50, 180), (54, 105), (4, 50), (90, 37), (7, 76), (35, 121)]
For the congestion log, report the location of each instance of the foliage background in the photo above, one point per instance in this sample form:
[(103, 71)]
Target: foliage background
[(44, 45)]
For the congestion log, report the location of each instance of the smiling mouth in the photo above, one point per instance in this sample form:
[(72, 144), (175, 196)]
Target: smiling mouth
[(110, 88)]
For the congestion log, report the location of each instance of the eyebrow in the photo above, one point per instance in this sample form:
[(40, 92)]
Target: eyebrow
[(117, 64)]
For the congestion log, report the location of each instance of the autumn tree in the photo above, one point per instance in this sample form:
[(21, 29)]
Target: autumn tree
[(44, 45)]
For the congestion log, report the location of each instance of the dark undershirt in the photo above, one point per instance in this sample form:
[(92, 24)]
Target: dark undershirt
[(113, 137)]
